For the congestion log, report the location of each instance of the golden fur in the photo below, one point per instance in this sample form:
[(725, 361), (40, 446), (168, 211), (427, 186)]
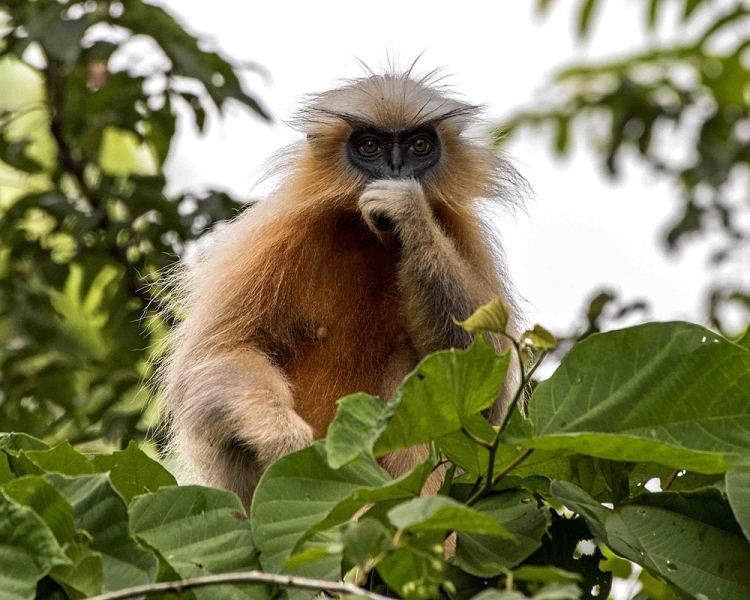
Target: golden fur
[(299, 301)]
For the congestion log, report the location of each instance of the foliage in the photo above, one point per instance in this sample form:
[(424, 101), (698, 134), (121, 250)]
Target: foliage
[(85, 222), (682, 107), (662, 400)]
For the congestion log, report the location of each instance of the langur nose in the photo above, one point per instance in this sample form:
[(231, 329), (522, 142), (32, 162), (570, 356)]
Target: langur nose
[(396, 162)]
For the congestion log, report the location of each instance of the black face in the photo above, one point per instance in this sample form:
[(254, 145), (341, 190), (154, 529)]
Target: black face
[(394, 154)]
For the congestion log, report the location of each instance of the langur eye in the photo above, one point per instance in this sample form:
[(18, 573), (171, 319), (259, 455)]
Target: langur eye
[(368, 147), (421, 146)]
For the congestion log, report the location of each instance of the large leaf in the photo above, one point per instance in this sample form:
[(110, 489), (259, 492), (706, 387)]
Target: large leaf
[(27, 552), (100, 511), (691, 540), (738, 492), (672, 393), (199, 531), (297, 492), (47, 502), (442, 395), (519, 513)]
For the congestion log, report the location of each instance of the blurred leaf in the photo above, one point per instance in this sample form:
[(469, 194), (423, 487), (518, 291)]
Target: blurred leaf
[(585, 16)]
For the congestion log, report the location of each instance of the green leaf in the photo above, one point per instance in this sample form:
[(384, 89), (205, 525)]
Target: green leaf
[(539, 337), (579, 501), (544, 574), (47, 502), (407, 486), (653, 13), (364, 540), (464, 451), (354, 429), (543, 6), (585, 16), (28, 550), (439, 513), (521, 516), (21, 441), (199, 531), (100, 511), (698, 558), (297, 492), (454, 384), (84, 577), (5, 472), (492, 594), (672, 393), (416, 570), (62, 459), (689, 539), (492, 316), (690, 7), (132, 472), (738, 492)]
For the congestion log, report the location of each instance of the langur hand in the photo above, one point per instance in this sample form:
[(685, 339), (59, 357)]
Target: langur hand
[(290, 434), (395, 204)]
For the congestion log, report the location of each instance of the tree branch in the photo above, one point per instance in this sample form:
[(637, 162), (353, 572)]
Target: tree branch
[(177, 587)]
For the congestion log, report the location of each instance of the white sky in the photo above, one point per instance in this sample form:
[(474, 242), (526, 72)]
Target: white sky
[(580, 230)]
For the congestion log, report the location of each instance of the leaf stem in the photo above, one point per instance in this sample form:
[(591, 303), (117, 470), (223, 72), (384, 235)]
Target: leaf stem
[(670, 480), (177, 587), (491, 480), (512, 465)]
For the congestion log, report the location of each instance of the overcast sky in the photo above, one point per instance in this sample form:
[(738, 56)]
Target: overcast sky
[(579, 231)]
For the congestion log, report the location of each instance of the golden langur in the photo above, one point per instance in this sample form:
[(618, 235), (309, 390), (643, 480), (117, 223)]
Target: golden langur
[(339, 282)]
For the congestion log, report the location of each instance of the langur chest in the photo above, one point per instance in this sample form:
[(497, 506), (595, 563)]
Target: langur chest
[(348, 320)]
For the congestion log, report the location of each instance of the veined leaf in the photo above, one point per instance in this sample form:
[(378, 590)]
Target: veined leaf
[(672, 393)]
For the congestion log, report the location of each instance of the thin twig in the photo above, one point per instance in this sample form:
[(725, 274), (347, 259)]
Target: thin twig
[(512, 465), (177, 587)]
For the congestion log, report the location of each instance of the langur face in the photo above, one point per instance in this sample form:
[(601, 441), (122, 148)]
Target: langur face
[(394, 153)]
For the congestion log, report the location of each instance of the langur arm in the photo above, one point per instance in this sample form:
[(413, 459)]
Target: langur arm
[(437, 282), (236, 406)]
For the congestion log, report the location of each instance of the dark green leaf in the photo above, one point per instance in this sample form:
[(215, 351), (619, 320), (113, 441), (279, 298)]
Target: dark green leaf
[(738, 492), (100, 511), (520, 514)]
